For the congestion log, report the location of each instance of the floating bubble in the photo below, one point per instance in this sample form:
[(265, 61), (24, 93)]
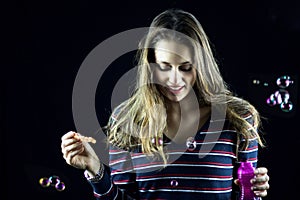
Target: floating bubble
[(174, 183), (284, 81), (282, 96), (54, 180), (256, 82), (286, 106), (44, 182), (191, 144), (271, 101), (60, 186)]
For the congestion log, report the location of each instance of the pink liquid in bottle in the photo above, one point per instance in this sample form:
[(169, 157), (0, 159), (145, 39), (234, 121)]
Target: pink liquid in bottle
[(245, 174)]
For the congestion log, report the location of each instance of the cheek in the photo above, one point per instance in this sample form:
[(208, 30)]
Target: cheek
[(193, 80), (159, 76), (190, 78)]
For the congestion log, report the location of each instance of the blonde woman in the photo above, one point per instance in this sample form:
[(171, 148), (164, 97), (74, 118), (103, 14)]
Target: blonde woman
[(182, 134)]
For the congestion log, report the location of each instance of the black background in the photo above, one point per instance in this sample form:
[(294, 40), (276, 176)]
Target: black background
[(45, 42)]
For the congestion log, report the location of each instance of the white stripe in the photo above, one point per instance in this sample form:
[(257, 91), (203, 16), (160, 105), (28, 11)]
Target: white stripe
[(174, 190), (212, 132), (187, 153), (252, 150), (215, 142), (118, 152), (121, 172), (189, 178), (116, 162), (250, 139), (172, 165), (248, 117), (122, 183), (252, 161), (211, 154), (189, 165)]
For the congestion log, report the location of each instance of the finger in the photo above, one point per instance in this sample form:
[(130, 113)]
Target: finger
[(262, 187), (69, 140), (85, 138), (237, 181), (261, 193), (260, 179), (260, 170), (70, 148), (72, 154), (68, 135)]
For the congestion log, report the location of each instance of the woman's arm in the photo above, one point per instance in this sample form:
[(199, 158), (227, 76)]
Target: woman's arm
[(78, 153)]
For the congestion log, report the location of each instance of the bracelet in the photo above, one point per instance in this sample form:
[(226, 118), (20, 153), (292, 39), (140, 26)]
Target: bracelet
[(97, 177)]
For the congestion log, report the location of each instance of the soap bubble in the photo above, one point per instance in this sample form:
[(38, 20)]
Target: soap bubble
[(281, 96), (191, 144), (44, 182), (271, 101), (60, 186), (286, 106), (284, 81), (54, 180)]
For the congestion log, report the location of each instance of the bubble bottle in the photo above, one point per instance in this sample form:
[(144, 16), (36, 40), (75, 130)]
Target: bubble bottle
[(245, 174)]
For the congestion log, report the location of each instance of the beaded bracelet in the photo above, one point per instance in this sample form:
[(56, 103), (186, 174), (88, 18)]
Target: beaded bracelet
[(97, 177)]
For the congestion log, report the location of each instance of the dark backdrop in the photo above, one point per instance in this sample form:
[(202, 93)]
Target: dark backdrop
[(45, 42)]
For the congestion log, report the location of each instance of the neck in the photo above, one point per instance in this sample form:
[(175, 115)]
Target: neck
[(185, 118), (186, 106)]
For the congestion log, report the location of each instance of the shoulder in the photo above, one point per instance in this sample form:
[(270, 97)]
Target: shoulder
[(249, 117), (243, 109), (241, 106), (116, 112)]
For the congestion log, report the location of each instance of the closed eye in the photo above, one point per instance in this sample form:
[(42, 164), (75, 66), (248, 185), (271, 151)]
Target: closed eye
[(186, 67), (164, 67)]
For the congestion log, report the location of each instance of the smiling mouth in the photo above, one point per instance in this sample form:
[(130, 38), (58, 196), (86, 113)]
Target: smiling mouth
[(175, 90)]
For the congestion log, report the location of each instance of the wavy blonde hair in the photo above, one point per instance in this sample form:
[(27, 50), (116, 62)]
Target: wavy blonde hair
[(139, 120)]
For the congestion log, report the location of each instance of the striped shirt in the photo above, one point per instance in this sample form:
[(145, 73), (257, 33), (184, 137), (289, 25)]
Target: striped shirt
[(202, 168)]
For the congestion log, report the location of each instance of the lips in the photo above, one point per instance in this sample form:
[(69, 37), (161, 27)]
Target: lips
[(175, 90)]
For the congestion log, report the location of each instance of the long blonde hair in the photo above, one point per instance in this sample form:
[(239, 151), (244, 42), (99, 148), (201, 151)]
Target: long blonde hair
[(140, 121)]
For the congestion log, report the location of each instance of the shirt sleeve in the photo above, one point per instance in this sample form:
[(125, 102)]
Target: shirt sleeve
[(119, 180), (250, 153)]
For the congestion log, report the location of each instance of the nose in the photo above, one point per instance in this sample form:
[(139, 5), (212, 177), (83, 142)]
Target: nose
[(174, 76)]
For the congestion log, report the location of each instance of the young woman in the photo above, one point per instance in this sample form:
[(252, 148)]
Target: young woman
[(182, 134)]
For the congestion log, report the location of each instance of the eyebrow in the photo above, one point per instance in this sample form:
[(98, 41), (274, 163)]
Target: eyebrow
[(167, 63)]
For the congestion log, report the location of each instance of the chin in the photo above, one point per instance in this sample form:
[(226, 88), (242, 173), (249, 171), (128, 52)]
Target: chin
[(171, 97), (175, 98)]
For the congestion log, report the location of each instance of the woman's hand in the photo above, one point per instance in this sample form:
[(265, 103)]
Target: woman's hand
[(79, 153), (260, 183)]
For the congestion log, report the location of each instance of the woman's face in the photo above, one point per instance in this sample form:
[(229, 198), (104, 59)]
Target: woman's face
[(174, 72)]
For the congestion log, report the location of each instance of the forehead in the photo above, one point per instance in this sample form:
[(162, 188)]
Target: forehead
[(172, 52)]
